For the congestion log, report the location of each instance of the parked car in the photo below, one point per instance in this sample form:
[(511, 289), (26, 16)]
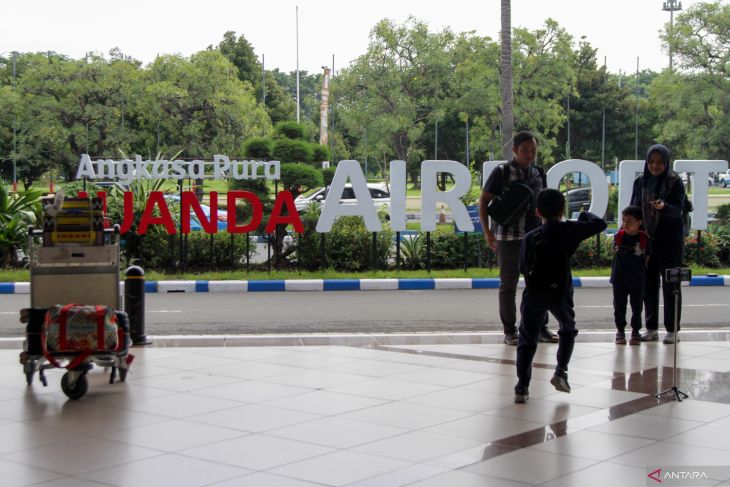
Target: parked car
[(577, 200), (378, 191), (723, 178)]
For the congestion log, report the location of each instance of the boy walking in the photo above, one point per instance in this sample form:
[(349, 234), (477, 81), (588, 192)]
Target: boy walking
[(545, 263), (628, 274)]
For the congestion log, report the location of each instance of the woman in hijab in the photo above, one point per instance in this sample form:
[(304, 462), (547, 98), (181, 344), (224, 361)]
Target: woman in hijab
[(660, 194)]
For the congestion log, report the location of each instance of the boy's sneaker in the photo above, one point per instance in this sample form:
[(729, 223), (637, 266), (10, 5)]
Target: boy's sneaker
[(620, 338), (650, 336), (546, 336), (522, 394), (635, 339), (511, 339), (671, 338), (560, 381)]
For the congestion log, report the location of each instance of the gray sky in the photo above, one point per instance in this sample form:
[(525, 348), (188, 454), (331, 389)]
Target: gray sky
[(620, 29)]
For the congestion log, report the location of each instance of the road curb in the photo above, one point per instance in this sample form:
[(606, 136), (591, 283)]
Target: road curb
[(305, 285)]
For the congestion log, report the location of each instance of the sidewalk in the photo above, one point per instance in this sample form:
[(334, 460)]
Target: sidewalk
[(360, 410)]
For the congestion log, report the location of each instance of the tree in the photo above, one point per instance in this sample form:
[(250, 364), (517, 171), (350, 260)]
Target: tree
[(544, 77), (279, 105), (197, 107), (694, 105), (597, 93), (392, 93)]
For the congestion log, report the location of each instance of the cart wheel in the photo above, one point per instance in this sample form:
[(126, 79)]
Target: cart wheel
[(79, 389), (122, 375)]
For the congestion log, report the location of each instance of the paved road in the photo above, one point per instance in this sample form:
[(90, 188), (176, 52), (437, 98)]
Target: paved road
[(366, 311)]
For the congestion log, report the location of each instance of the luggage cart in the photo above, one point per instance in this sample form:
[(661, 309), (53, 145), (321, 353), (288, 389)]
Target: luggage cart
[(73, 265)]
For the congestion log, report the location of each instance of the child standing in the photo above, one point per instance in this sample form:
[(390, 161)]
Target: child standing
[(628, 273), (545, 263)]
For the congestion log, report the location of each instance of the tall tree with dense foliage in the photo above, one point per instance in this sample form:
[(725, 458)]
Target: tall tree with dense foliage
[(388, 96), (197, 106), (694, 101)]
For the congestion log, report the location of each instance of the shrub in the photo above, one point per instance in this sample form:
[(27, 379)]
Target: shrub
[(308, 245), (350, 248), (328, 173), (447, 248), (588, 256), (320, 153), (201, 251), (287, 150), (705, 253), (723, 214), (290, 130), (258, 148), (216, 251), (300, 178), (722, 234)]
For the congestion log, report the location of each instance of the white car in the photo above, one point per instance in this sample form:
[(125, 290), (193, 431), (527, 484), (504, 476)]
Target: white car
[(378, 191)]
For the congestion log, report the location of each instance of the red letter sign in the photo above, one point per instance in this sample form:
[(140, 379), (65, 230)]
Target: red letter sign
[(156, 198), (190, 201), (256, 208), (284, 198)]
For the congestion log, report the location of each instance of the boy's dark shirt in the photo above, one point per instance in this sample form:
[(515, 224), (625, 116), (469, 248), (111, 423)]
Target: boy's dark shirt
[(628, 268), (567, 234)]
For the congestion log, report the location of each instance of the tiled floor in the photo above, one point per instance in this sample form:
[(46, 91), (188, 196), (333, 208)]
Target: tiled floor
[(419, 414)]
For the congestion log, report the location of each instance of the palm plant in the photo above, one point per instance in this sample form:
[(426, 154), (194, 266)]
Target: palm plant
[(17, 212), (414, 252)]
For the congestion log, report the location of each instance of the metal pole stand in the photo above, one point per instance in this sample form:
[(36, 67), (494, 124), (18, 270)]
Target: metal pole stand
[(678, 395)]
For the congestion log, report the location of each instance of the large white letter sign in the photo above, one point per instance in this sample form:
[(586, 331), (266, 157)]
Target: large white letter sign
[(699, 171), (597, 178), (86, 168), (430, 196), (363, 207), (627, 173), (398, 195)]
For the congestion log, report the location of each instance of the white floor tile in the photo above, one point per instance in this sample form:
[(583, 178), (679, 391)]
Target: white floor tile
[(254, 418), (529, 466), (340, 468), (257, 452), (170, 469), (647, 426), (337, 432), (81, 455), (417, 446), (251, 391), (404, 415), (485, 428), (173, 435), (592, 445), (386, 388), (461, 478), (16, 474), (325, 403)]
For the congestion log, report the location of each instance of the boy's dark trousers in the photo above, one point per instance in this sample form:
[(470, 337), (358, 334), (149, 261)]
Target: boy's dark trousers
[(534, 312), (624, 293)]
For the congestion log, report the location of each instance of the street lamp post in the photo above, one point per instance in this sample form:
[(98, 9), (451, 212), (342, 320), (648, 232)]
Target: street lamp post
[(671, 6)]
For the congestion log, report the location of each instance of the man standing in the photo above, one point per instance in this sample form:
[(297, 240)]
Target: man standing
[(506, 240)]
